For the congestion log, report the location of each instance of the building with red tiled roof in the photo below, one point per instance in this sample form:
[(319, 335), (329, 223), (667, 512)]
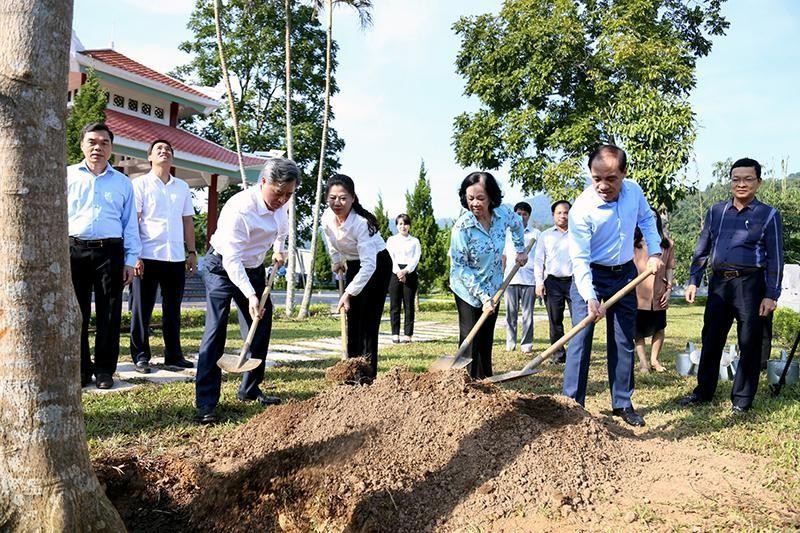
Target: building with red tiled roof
[(145, 105)]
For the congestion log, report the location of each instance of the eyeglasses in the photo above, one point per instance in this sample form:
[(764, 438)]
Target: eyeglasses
[(749, 180)]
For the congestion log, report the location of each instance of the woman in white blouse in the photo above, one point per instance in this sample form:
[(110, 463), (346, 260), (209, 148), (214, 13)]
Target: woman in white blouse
[(357, 250), (405, 251)]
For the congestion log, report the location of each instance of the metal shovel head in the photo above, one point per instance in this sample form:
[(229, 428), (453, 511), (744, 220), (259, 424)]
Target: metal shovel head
[(511, 376), (235, 364), (450, 363)]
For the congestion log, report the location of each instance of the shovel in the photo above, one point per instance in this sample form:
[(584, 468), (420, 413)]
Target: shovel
[(243, 362), (343, 318), (461, 360), (776, 388), (532, 367)]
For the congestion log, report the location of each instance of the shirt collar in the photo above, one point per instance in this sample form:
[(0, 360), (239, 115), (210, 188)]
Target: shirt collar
[(155, 177), (599, 202), (751, 206), (83, 166), (471, 221), (261, 207)]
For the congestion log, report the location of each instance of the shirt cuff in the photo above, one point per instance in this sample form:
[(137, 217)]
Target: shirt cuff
[(772, 294)]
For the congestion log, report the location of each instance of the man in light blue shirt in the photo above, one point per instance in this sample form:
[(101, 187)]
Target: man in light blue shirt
[(104, 246), (602, 223)]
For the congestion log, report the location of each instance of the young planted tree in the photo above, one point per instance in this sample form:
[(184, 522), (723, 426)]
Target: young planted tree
[(292, 245), (88, 106), (364, 10), (46, 479), (556, 78), (423, 226), (383, 218)]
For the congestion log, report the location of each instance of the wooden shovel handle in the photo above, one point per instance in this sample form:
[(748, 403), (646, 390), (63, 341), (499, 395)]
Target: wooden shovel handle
[(343, 318), (256, 319), (586, 321)]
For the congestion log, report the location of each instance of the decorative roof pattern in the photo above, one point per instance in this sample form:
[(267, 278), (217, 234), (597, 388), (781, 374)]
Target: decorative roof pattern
[(120, 61), (146, 131)]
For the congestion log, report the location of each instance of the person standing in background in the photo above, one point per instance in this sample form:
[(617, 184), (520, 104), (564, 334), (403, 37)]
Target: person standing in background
[(406, 252), (521, 290)]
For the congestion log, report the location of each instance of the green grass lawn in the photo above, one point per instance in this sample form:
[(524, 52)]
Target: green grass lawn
[(157, 417)]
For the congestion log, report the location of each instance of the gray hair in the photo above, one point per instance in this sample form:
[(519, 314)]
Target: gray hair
[(281, 170)]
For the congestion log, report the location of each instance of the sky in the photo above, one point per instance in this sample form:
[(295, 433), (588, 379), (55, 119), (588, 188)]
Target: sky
[(399, 92)]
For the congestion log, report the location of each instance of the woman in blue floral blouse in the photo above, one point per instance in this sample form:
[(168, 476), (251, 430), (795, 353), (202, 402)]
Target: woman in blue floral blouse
[(476, 269)]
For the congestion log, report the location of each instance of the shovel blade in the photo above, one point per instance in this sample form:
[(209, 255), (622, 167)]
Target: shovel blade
[(450, 363), (235, 364), (511, 376)]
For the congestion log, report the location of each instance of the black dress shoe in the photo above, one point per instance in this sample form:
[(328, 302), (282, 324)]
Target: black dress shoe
[(86, 380), (142, 367), (261, 398), (104, 381), (737, 410), (206, 416), (691, 400), (629, 415), (180, 363)]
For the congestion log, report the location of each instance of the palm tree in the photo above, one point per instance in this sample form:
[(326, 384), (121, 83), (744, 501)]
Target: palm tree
[(292, 247), (364, 10)]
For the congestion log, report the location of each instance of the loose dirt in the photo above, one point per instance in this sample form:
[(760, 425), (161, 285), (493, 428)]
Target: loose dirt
[(421, 452), (355, 370)]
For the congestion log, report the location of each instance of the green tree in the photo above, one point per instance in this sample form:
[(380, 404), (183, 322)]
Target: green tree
[(322, 266), (383, 218), (364, 10), (254, 42), (557, 77), (88, 106), (423, 226)]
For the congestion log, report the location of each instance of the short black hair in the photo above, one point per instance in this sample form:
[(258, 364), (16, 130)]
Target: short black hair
[(616, 151), (525, 206), (162, 141), (488, 182), (558, 203), (746, 162), (97, 126), (404, 217)]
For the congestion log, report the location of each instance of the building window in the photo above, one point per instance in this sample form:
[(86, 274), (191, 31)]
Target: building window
[(159, 113), (146, 109), (119, 101), (107, 96), (133, 105)]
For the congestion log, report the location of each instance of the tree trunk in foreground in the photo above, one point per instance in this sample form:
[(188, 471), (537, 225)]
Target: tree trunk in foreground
[(306, 303), (46, 479), (291, 263)]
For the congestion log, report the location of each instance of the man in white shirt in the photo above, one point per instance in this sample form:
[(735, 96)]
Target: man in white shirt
[(601, 226), (164, 209), (520, 291), (250, 222), (552, 270)]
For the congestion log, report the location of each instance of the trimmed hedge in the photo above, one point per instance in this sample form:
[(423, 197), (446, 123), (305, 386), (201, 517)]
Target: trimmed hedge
[(785, 325)]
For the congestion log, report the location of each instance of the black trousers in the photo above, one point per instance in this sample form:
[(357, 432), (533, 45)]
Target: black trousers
[(402, 295), (555, 298), (220, 290), (366, 309), (171, 277), (729, 299), (481, 349), (99, 270)]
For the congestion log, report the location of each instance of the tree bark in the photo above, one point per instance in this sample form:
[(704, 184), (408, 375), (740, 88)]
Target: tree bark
[(292, 247), (46, 479), (306, 303)]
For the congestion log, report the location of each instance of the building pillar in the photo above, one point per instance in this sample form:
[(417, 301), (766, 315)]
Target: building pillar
[(173, 114), (213, 198)]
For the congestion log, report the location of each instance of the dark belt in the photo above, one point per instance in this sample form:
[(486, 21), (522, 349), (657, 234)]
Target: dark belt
[(731, 274), (612, 268), (560, 278), (95, 243)]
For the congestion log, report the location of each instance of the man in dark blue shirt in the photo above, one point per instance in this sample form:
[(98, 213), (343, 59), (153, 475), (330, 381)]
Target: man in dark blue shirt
[(742, 241)]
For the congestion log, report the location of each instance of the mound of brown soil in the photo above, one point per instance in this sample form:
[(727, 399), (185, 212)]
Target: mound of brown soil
[(412, 452), (355, 370)]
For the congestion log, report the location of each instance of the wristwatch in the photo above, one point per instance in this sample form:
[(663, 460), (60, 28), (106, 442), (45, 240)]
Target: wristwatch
[(192, 252)]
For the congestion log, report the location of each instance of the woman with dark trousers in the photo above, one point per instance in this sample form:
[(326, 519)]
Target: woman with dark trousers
[(476, 270), (358, 251), (405, 251)]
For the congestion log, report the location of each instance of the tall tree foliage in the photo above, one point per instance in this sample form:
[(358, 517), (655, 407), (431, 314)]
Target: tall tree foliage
[(383, 218), (46, 479), (423, 226), (557, 77), (254, 42), (88, 106), (364, 10)]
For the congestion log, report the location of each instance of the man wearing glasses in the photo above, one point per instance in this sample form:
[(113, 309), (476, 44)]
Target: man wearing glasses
[(742, 242)]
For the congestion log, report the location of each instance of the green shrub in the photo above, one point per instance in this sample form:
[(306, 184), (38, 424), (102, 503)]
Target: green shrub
[(786, 325)]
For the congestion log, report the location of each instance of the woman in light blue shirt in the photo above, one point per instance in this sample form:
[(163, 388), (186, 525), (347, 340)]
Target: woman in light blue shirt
[(476, 269)]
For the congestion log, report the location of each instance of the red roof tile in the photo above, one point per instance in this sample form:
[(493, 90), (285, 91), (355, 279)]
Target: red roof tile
[(146, 131), (117, 60)]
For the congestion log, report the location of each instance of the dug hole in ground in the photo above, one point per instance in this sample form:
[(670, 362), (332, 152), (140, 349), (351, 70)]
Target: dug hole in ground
[(436, 451)]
